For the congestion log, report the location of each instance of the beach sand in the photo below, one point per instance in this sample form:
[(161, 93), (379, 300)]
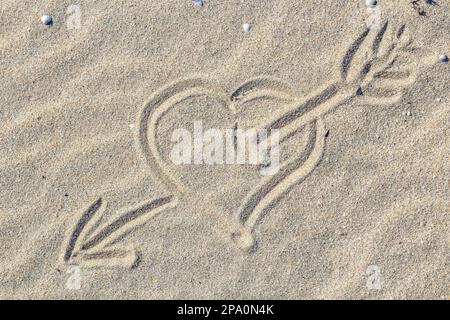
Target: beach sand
[(91, 207)]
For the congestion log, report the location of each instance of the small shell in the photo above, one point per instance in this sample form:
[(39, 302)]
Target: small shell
[(443, 58), (246, 27), (198, 3), (47, 20), (371, 3)]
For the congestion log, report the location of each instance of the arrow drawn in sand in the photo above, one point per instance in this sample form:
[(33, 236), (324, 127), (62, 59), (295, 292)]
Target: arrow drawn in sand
[(93, 244), (375, 70)]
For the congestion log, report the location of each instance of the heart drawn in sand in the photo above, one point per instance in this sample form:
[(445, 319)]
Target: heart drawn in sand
[(268, 103)]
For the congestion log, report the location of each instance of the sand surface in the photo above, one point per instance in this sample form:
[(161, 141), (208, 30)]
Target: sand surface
[(92, 207)]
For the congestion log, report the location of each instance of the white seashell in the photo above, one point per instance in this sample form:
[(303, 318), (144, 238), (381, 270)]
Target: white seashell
[(443, 58), (371, 3), (47, 20), (246, 27)]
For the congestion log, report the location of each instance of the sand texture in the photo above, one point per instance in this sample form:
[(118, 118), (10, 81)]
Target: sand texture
[(93, 207)]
